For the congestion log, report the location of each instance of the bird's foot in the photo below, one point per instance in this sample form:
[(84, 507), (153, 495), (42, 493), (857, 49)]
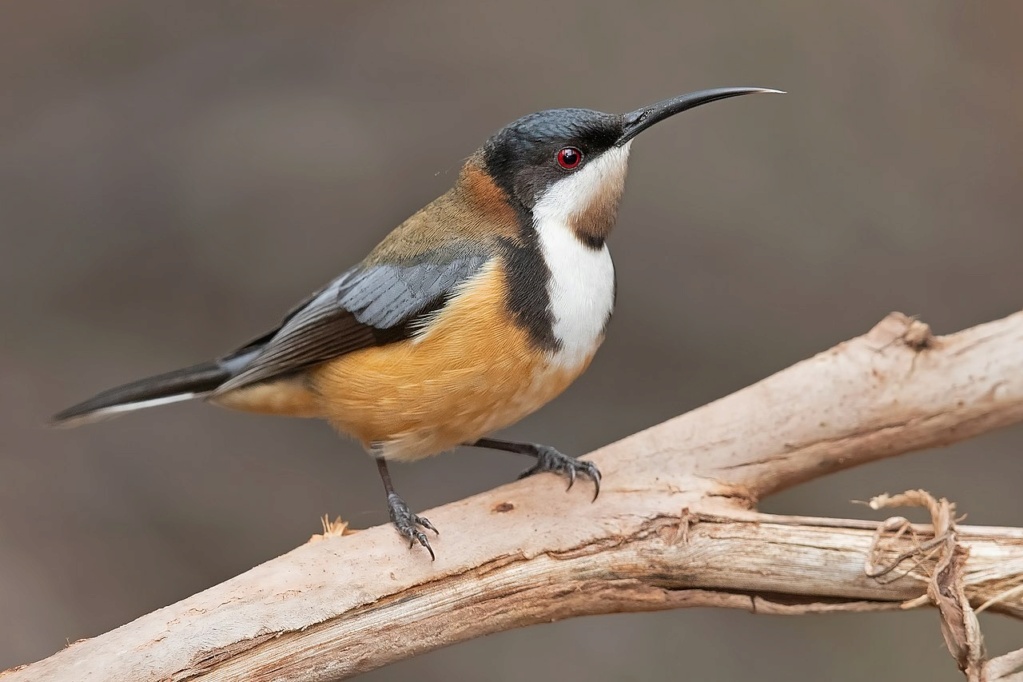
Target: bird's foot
[(408, 524), (549, 459)]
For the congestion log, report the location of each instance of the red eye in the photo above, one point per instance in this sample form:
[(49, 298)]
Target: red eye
[(569, 158)]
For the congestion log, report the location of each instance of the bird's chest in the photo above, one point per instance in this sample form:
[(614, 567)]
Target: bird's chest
[(580, 292)]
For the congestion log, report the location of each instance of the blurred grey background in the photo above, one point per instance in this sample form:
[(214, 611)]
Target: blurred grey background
[(173, 176)]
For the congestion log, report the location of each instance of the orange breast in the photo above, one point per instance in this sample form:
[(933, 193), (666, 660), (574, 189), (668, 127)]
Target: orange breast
[(473, 372)]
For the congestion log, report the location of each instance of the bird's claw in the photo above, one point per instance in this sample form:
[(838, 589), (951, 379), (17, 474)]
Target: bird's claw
[(549, 459), (408, 524)]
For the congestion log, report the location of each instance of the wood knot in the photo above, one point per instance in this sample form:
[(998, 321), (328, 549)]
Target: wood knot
[(918, 335), (908, 331)]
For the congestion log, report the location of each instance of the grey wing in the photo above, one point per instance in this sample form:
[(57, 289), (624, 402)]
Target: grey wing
[(366, 306)]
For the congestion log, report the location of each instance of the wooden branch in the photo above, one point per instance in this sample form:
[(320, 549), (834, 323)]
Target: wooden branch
[(673, 527)]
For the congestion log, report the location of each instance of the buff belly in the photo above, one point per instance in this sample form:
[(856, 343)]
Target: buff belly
[(471, 373)]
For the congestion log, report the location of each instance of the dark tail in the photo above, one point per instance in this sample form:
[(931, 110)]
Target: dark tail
[(182, 384)]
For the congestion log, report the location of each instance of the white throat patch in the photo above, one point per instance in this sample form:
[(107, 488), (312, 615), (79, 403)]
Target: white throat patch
[(581, 287)]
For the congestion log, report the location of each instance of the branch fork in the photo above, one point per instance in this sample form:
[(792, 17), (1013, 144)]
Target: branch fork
[(677, 507)]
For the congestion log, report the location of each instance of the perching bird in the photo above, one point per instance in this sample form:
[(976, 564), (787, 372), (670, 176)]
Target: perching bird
[(473, 313)]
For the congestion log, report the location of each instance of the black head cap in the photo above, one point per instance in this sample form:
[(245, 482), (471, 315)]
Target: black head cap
[(523, 157)]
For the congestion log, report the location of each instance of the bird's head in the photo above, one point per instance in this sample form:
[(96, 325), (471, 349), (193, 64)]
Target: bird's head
[(569, 165)]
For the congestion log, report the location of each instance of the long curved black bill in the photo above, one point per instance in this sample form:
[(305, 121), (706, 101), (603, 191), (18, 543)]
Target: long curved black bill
[(639, 120)]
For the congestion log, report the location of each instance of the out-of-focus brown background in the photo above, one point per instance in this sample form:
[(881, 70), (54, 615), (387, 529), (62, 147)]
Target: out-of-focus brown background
[(173, 176)]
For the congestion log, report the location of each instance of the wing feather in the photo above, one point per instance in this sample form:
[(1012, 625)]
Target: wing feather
[(364, 307)]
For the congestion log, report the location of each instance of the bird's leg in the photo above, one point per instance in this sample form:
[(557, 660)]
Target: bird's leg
[(402, 517), (547, 459)]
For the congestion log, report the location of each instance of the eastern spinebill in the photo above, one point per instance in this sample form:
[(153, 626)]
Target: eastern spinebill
[(472, 314)]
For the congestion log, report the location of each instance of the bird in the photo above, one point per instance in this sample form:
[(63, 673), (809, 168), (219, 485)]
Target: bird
[(475, 312)]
